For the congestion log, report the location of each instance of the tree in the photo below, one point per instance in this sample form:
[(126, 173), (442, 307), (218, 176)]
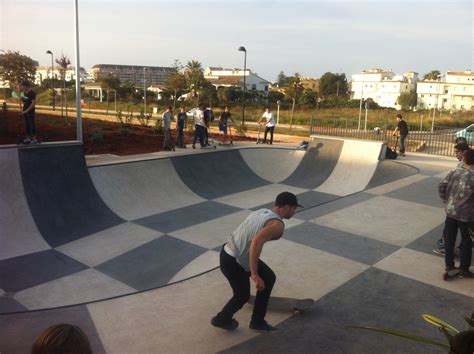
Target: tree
[(432, 75), (333, 85), (109, 83), (407, 100), (63, 63), (15, 68), (294, 91), (194, 77), (282, 79), (175, 84)]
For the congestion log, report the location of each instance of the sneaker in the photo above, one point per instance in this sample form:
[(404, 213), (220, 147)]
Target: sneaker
[(465, 274), (439, 251), (227, 325), (262, 326), (34, 142), (450, 268), (26, 141)]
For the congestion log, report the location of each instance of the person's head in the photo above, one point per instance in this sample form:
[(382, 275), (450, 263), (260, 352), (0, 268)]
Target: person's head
[(182, 109), (169, 109), (286, 204), (468, 158), (25, 85), (460, 139), (201, 106), (399, 117), (459, 150), (62, 338), (267, 109), (226, 109)]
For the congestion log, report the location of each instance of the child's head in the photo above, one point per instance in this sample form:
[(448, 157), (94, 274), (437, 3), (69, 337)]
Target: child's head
[(60, 339), (469, 157)]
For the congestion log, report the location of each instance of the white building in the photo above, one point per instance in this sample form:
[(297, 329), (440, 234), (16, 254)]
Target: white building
[(45, 72), (454, 93), (221, 77), (383, 87)]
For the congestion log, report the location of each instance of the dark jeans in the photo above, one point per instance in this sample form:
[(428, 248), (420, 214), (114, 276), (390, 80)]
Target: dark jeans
[(199, 133), (402, 143), (30, 123), (452, 226), (268, 129), (239, 280), (180, 138)]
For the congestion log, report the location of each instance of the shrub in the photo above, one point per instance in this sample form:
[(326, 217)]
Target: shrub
[(97, 136)]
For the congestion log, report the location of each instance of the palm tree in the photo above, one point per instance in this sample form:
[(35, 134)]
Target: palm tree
[(194, 76), (63, 63)]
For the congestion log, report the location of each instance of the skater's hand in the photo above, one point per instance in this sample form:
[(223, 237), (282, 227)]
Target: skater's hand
[(259, 283)]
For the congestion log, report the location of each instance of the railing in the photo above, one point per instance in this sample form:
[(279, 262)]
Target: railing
[(440, 141)]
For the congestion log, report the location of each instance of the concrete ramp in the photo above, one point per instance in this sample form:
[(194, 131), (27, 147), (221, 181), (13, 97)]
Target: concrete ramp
[(274, 165), (355, 167), (60, 193), (18, 232), (218, 174), (140, 189), (317, 164)]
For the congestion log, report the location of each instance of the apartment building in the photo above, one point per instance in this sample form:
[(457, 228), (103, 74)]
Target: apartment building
[(454, 93), (137, 75), (45, 72), (221, 77), (383, 87)]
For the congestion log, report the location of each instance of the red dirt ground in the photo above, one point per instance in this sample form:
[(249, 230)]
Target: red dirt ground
[(139, 140)]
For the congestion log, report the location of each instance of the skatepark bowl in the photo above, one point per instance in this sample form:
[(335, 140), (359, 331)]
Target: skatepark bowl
[(127, 248)]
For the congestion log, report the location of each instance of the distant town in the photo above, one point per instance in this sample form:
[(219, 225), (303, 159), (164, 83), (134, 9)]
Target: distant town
[(450, 91)]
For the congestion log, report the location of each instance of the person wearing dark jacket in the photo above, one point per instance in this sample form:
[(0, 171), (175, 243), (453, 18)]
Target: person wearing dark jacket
[(402, 128)]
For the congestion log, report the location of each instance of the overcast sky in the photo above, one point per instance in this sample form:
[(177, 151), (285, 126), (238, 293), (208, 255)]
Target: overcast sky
[(309, 37)]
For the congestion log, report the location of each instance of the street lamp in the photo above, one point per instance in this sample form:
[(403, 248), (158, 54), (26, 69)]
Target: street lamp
[(242, 49), (52, 77), (438, 77), (361, 98), (144, 91), (278, 112), (3, 84)]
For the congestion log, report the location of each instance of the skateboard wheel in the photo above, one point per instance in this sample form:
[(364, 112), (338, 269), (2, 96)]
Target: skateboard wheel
[(445, 276)]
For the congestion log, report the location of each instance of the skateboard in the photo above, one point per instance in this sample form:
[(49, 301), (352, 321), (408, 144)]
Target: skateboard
[(449, 274), (298, 306)]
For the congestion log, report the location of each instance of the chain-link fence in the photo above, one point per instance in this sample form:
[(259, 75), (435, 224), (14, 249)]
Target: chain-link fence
[(439, 141)]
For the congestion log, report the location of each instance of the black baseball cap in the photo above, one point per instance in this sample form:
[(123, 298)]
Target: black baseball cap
[(287, 198)]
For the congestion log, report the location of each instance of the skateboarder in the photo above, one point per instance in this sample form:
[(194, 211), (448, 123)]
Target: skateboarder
[(459, 150), (269, 125), (167, 117), (224, 121), (181, 125), (457, 191), (402, 128), (240, 259), (29, 98)]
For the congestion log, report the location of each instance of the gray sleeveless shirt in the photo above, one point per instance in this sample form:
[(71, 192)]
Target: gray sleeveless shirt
[(238, 244)]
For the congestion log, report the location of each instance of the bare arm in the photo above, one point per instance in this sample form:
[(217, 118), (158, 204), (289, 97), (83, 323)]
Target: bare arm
[(272, 230), (30, 107)]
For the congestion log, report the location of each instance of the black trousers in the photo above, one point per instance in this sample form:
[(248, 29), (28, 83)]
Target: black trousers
[(239, 280), (452, 226), (30, 123), (402, 143), (199, 133), (268, 129)]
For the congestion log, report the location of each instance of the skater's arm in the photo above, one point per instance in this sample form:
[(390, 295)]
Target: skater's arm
[(30, 107), (443, 187), (273, 230)]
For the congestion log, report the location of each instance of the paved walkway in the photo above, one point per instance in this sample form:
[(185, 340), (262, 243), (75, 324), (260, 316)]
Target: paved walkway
[(361, 247)]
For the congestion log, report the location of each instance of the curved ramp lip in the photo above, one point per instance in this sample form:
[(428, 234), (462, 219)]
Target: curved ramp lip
[(110, 297)]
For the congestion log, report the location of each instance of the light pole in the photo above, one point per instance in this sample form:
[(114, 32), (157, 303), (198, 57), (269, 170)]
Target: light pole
[(78, 74), (278, 112), (242, 49), (144, 90), (52, 77), (361, 98), (3, 84), (437, 99)]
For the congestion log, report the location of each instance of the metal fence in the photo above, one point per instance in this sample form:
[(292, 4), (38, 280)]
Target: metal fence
[(440, 141)]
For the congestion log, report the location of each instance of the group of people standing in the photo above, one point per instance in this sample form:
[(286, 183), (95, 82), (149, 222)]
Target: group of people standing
[(203, 117)]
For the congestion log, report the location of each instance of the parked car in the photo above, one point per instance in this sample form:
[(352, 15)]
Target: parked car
[(466, 133)]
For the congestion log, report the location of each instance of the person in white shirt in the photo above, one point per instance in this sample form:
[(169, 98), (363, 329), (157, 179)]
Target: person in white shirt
[(199, 126), (167, 117), (240, 261), (269, 125)]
